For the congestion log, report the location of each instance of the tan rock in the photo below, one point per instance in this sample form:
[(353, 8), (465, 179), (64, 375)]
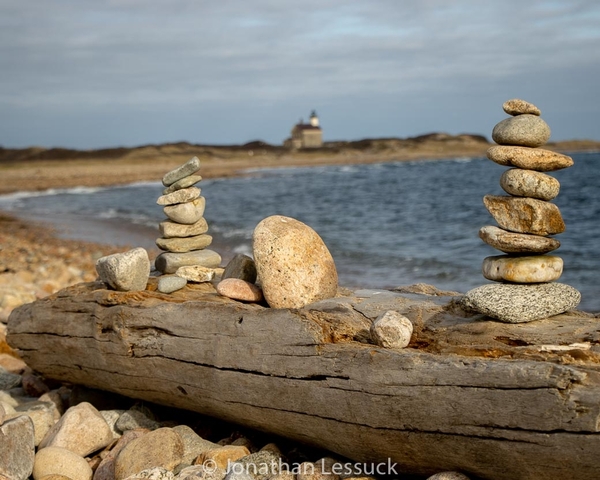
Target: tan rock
[(525, 269), (196, 273), (56, 476), (510, 242), (43, 416), (12, 364), (169, 262), (529, 158), (60, 461), (525, 215), (525, 130), (221, 457), (529, 183), (294, 266), (517, 106), (448, 476), (188, 168), (183, 245), (171, 229), (193, 444), (239, 289), (106, 469), (187, 213), (179, 196), (183, 183)]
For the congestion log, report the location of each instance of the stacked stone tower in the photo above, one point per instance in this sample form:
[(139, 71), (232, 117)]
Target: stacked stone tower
[(527, 220)]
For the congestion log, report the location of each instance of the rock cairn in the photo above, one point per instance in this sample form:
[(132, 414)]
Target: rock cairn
[(183, 233), (526, 220)]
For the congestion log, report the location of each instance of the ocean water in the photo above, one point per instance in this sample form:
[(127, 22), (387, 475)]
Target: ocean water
[(386, 224)]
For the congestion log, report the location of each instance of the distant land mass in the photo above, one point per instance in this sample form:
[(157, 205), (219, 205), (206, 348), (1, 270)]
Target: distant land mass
[(38, 168)]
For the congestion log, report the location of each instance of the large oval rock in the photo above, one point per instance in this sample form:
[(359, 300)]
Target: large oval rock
[(510, 242), (294, 266), (525, 130), (529, 183), (529, 158), (60, 461), (526, 269), (525, 215)]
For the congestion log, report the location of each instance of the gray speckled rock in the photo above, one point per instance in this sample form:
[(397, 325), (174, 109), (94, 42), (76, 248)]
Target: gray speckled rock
[(522, 269), (511, 303), (17, 448), (127, 271), (524, 130), (525, 215), (241, 266), (193, 444), (179, 196), (517, 106), (170, 262), (171, 283), (536, 159), (184, 244), (42, 415), (8, 380), (132, 419), (187, 213), (529, 183), (185, 170), (510, 242), (260, 465), (183, 183), (391, 330), (177, 230)]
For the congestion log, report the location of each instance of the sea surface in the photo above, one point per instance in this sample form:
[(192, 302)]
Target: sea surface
[(386, 225)]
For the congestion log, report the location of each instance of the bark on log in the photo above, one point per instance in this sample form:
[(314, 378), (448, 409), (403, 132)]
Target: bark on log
[(497, 401)]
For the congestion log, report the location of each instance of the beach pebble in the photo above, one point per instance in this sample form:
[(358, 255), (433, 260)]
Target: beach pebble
[(42, 414), (201, 472), (185, 182), (529, 183), (133, 419), (171, 283), (241, 266), (391, 330), (536, 159), (127, 271), (221, 457), (8, 380), (511, 303), (17, 448), (510, 242), (448, 476), (12, 364), (179, 196), (185, 170), (294, 266), (187, 213), (160, 448), (525, 215), (196, 273), (155, 473), (517, 106), (185, 244), (238, 289), (523, 269), (524, 130), (2, 414), (170, 262), (106, 469), (171, 229), (193, 444), (111, 417), (60, 461), (259, 466), (33, 385)]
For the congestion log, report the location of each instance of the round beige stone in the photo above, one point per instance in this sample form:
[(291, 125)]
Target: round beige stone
[(526, 269), (187, 213), (239, 289), (510, 242), (525, 130), (529, 183), (536, 159), (60, 461), (516, 106), (294, 266), (391, 330), (223, 456)]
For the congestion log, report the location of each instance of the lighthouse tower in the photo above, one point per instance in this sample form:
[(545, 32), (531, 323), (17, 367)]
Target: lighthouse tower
[(314, 120)]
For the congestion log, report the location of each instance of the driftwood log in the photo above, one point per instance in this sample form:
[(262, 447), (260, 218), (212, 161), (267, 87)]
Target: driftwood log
[(493, 400)]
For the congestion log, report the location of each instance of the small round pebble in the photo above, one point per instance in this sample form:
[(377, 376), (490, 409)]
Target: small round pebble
[(238, 289), (171, 283), (391, 330)]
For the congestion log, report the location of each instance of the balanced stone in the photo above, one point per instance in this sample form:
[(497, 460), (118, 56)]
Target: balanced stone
[(184, 244), (241, 266), (529, 158), (294, 266), (525, 215), (171, 283), (188, 213), (170, 262), (529, 183), (238, 289), (391, 330), (196, 273), (127, 271), (524, 269), (183, 183), (525, 130), (169, 229), (522, 303), (517, 106), (185, 170), (179, 196), (510, 242)]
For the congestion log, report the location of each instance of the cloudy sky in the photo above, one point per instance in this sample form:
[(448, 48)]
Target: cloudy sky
[(101, 73)]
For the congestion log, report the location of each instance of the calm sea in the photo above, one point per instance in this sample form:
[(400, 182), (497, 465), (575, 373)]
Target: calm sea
[(386, 224)]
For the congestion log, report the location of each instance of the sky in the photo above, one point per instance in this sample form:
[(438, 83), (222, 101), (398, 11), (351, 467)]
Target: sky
[(104, 73)]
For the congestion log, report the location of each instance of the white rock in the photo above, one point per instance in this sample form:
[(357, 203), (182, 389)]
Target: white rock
[(196, 273), (391, 330), (127, 271)]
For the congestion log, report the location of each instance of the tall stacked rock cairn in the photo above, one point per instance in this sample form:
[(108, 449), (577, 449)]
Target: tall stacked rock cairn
[(527, 288), (183, 233)]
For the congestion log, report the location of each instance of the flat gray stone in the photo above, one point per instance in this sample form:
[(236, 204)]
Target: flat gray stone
[(132, 419), (178, 230), (510, 242), (185, 170), (184, 244), (525, 215), (511, 303), (17, 448), (522, 269), (171, 283), (169, 262), (187, 213), (529, 183), (241, 266), (525, 130), (179, 196), (536, 159), (183, 183), (8, 380), (128, 271), (516, 106)]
